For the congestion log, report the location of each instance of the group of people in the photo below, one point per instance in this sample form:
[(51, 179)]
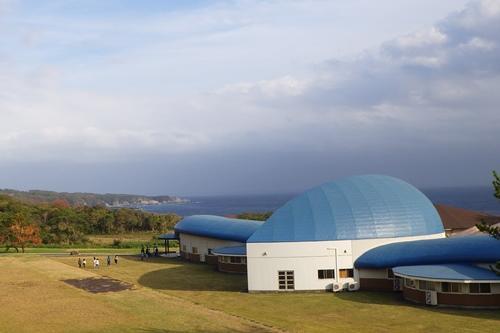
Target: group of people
[(146, 252), (82, 263)]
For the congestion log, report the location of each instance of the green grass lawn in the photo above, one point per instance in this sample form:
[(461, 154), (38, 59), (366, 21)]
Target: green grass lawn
[(173, 296)]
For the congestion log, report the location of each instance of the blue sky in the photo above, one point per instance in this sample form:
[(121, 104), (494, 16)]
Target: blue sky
[(217, 97)]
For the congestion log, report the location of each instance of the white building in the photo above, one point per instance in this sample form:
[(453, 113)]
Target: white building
[(371, 232), (312, 242)]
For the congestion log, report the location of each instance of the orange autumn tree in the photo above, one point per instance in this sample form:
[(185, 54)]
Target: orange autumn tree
[(23, 233)]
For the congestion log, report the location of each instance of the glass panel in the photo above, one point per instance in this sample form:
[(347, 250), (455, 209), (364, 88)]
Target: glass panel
[(474, 288), (346, 273), (485, 288)]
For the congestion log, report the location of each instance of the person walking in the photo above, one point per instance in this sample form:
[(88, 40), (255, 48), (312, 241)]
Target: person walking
[(116, 259), (84, 262), (108, 260), (80, 262), (97, 263), (94, 262), (156, 251)]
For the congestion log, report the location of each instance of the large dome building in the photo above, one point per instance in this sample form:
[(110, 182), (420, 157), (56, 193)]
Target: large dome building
[(371, 232), (315, 238)]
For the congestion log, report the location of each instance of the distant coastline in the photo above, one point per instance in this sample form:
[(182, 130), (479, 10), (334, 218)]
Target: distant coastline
[(473, 198), (93, 199)]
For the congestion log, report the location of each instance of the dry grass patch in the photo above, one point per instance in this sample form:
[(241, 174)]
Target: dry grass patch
[(34, 299), (299, 312)]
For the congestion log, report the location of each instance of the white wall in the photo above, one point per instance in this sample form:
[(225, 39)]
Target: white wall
[(264, 260), (203, 244), (373, 273)]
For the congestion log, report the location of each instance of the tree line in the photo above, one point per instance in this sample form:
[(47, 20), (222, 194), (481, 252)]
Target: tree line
[(58, 223)]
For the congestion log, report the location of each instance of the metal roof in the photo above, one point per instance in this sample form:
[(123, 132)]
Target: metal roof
[(217, 227), (448, 272), (170, 236), (230, 251), (359, 207), (432, 251)]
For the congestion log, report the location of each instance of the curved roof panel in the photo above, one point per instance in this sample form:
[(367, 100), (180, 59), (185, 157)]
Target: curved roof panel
[(448, 272), (217, 227), (359, 207), (432, 252)]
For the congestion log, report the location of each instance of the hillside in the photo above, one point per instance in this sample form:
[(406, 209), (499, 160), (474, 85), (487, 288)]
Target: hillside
[(91, 199)]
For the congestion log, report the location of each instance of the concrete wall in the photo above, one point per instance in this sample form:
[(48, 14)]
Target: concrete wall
[(203, 244), (306, 258), (264, 260), (454, 299)]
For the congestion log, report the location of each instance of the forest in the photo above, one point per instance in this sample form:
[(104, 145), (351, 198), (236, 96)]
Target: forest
[(25, 224)]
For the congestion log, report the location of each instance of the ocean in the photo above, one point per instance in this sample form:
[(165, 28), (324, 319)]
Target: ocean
[(473, 198)]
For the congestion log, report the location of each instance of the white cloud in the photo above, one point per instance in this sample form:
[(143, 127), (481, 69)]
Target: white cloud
[(241, 76), (428, 37)]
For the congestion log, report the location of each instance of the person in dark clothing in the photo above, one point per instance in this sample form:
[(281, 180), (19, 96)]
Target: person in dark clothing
[(80, 262), (108, 260), (142, 249), (116, 259), (156, 251), (148, 253)]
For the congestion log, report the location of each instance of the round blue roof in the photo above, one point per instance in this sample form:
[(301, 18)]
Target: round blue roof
[(463, 249), (359, 207), (217, 227), (447, 272)]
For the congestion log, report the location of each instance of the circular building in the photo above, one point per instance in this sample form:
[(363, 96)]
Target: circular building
[(450, 271), (312, 242)]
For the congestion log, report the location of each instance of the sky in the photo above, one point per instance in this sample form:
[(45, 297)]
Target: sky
[(246, 97)]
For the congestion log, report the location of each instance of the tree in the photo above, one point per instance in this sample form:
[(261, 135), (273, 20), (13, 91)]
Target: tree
[(483, 226), (22, 232), (25, 234), (496, 185)]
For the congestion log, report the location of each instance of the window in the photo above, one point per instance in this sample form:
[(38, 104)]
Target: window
[(410, 283), (426, 285), (286, 280), (235, 260), (346, 273), (326, 274), (450, 287), (195, 250), (479, 288), (184, 248), (390, 273), (232, 260)]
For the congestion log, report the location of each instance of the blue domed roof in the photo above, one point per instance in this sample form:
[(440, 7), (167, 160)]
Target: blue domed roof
[(359, 207), (217, 227)]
